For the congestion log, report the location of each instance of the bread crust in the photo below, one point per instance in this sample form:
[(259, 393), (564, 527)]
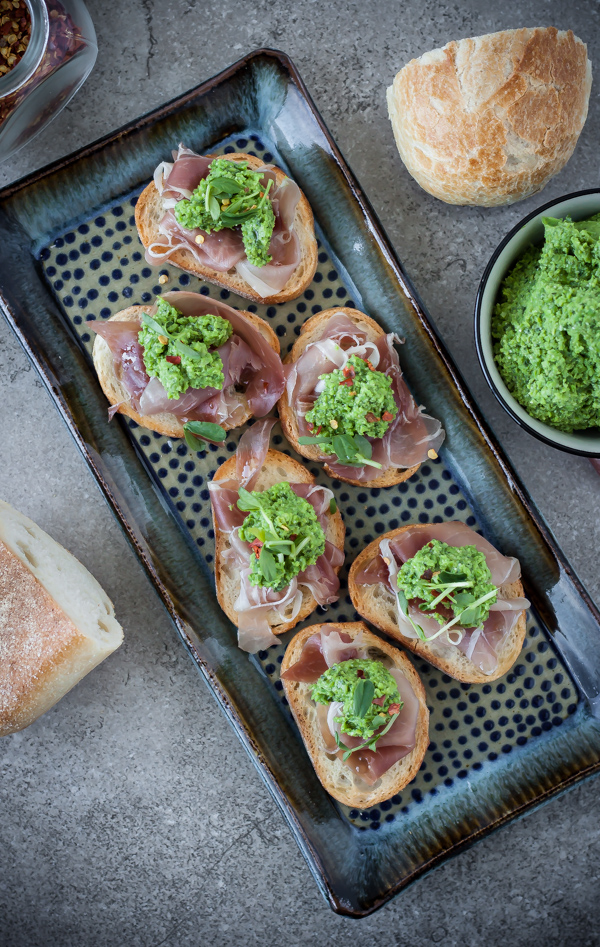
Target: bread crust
[(276, 468), (489, 120), (149, 212), (377, 605), (164, 423), (331, 773), (56, 623), (311, 332)]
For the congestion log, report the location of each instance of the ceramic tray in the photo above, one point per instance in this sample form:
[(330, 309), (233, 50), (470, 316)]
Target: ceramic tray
[(70, 256)]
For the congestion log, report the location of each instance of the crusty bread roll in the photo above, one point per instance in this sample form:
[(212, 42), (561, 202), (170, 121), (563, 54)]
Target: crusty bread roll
[(336, 777), (56, 622), (311, 331), (489, 120), (109, 376), (277, 468), (377, 604), (149, 211)]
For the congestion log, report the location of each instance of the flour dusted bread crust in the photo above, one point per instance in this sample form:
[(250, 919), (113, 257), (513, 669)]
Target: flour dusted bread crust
[(276, 468), (109, 376), (56, 622), (489, 120), (335, 776), (377, 604), (149, 212), (312, 331)]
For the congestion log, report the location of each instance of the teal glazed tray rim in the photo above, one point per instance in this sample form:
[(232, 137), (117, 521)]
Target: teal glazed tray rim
[(30, 213)]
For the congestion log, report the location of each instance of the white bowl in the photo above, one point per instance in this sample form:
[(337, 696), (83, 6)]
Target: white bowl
[(529, 231)]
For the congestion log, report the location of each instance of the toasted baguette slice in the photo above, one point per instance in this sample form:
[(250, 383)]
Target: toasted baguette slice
[(110, 380), (378, 605), (312, 331), (335, 775), (149, 212), (56, 622), (277, 468)]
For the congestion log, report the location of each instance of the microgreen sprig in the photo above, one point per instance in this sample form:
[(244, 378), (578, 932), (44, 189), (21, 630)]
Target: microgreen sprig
[(351, 450), (464, 615), (370, 744), (181, 347), (270, 542)]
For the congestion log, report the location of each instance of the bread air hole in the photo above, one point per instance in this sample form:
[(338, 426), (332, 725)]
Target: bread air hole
[(28, 555), (103, 626)]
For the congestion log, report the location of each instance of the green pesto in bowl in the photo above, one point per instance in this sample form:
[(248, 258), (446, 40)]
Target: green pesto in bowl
[(546, 326)]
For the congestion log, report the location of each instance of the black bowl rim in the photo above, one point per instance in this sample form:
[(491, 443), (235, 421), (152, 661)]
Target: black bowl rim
[(477, 327)]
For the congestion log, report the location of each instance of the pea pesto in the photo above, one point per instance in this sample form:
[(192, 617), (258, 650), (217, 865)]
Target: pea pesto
[(546, 328), (450, 583), (355, 400), (179, 350), (232, 195), (284, 534), (357, 683)]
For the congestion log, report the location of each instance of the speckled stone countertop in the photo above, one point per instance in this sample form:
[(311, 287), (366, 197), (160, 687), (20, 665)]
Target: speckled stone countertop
[(130, 814)]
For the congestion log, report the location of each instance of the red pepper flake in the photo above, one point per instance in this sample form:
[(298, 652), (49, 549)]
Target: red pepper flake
[(393, 709), (370, 417), (294, 536), (360, 673), (349, 373), (347, 381), (386, 416), (256, 547), (380, 701), (173, 359)]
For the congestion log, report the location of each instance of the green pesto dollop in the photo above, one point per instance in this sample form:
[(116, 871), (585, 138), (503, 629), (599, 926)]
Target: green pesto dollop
[(202, 334), (284, 532), (425, 576), (356, 398), (547, 326), (340, 683), (232, 195)]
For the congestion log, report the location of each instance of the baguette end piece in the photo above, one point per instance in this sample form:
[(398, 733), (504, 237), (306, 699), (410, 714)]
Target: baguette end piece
[(56, 621)]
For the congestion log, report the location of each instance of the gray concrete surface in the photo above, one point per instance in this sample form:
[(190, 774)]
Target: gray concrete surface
[(129, 815)]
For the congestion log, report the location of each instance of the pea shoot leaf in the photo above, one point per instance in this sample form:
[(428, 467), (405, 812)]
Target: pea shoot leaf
[(195, 432), (446, 578), (364, 693), (248, 501), (268, 566)]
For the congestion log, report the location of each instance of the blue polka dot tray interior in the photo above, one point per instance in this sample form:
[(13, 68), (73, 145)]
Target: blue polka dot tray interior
[(495, 748)]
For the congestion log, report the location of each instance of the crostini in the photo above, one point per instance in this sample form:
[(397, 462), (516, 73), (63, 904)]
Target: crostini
[(279, 540), (187, 365), (232, 220), (446, 593), (361, 710), (347, 405)]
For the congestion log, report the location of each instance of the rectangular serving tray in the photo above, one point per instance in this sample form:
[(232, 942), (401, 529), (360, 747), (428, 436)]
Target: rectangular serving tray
[(71, 255)]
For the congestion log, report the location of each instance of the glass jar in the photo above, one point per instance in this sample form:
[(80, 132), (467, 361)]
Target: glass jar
[(60, 55)]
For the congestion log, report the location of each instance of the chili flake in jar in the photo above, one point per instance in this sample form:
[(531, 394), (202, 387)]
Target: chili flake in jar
[(15, 32)]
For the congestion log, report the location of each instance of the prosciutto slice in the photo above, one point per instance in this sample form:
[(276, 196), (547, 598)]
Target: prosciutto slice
[(249, 363), (480, 645), (410, 435), (224, 250), (329, 647), (255, 604)]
